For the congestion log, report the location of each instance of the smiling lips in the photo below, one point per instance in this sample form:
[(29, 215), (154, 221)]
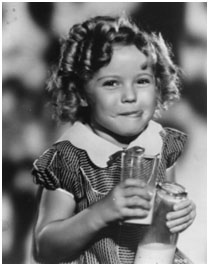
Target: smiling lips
[(132, 114)]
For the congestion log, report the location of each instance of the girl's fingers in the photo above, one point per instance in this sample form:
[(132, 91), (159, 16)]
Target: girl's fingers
[(131, 213), (135, 191), (189, 209), (180, 228), (178, 214), (179, 221), (137, 202), (182, 205), (131, 182)]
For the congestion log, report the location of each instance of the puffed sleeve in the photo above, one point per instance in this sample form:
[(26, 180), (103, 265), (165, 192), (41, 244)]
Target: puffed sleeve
[(58, 168), (45, 170), (174, 144)]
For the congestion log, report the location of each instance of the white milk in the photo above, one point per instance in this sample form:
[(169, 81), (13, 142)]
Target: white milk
[(146, 220), (155, 253)]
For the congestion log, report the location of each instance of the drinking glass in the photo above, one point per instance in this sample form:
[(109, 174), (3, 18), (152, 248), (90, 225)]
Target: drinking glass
[(135, 164)]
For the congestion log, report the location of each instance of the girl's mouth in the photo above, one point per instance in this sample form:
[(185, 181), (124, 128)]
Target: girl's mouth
[(132, 114)]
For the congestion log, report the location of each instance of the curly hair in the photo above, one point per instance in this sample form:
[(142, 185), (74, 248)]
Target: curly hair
[(89, 46)]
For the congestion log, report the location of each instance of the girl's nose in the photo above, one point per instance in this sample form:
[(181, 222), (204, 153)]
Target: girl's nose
[(128, 94)]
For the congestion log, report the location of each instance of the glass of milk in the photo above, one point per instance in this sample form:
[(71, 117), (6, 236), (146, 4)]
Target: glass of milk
[(135, 164)]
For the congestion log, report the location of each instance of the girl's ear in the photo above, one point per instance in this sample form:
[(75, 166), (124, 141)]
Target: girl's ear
[(158, 106), (83, 102)]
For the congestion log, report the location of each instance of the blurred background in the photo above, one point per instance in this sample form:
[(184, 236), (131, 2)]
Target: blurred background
[(31, 34)]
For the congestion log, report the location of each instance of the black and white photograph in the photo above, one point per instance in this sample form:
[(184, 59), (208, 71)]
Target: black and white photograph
[(104, 132)]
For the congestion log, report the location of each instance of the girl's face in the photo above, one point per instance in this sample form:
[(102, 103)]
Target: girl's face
[(122, 96)]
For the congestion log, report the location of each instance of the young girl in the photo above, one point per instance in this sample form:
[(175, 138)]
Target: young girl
[(111, 81)]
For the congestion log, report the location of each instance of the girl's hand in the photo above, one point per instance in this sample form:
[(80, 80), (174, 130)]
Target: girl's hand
[(182, 217), (128, 199)]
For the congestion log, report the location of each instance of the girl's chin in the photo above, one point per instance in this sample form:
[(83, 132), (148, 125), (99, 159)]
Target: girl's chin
[(131, 133), (127, 137)]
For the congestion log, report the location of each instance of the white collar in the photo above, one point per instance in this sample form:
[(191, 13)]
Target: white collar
[(99, 149)]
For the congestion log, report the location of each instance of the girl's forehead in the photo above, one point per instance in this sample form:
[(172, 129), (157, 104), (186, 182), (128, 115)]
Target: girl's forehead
[(127, 57)]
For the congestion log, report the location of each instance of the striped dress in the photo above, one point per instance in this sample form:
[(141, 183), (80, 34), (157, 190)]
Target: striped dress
[(70, 168)]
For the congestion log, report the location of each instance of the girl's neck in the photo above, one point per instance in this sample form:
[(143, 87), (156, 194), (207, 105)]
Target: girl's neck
[(120, 141)]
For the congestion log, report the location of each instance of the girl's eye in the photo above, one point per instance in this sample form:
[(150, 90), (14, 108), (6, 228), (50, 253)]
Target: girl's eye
[(143, 81), (110, 83)]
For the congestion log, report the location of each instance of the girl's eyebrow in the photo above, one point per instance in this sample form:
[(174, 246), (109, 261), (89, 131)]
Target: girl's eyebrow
[(147, 63), (108, 76), (144, 65), (118, 76)]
